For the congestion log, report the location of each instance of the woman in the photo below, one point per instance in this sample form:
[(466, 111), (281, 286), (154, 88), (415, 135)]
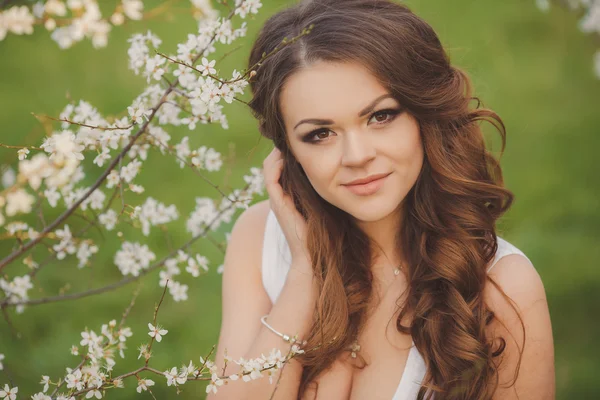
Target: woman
[(378, 243)]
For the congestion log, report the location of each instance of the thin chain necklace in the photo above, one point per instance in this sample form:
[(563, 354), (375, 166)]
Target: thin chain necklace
[(355, 347)]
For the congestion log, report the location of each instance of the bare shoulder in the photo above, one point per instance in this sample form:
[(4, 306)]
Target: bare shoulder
[(516, 277), (256, 213), (248, 230)]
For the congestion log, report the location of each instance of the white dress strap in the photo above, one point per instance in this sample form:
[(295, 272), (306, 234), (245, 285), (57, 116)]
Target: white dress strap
[(412, 377), (276, 259), (504, 249)]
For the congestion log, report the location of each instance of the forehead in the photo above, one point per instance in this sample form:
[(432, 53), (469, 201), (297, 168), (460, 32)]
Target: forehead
[(328, 90)]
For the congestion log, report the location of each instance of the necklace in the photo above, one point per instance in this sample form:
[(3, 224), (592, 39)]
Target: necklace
[(355, 347)]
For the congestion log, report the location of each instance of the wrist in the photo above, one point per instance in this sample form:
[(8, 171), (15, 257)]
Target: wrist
[(303, 285)]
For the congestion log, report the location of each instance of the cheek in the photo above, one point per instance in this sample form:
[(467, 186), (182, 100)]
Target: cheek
[(321, 173), (407, 150)]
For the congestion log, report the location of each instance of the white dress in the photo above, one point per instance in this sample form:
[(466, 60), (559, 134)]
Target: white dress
[(276, 263)]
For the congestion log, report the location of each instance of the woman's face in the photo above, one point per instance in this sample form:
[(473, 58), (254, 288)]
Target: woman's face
[(343, 125)]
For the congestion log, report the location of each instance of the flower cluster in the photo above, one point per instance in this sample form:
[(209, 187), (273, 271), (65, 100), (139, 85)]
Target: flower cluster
[(71, 21), (133, 257), (15, 291), (172, 268), (92, 375)]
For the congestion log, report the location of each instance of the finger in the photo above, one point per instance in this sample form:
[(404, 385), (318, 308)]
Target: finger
[(272, 172), (274, 155), (270, 161), (271, 176)]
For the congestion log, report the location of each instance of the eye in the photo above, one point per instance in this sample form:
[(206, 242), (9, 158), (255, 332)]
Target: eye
[(314, 136), (310, 137), (390, 112)]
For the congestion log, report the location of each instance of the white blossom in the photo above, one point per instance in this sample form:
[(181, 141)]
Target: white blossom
[(130, 171), (46, 382), (155, 213), (156, 332), (159, 136), (84, 253), (138, 51), (154, 68), (203, 214), (18, 201), (52, 196), (8, 393), (63, 145), (255, 180), (94, 200), (245, 7), (133, 257), (94, 393), (215, 382), (194, 265), (591, 20), (178, 291), (173, 378), (138, 112), (22, 153), (66, 244), (108, 219), (143, 385), (55, 7), (16, 226), (543, 5), (207, 158), (133, 9), (207, 67), (75, 380), (90, 339), (182, 150), (102, 157), (18, 20), (136, 188), (112, 179), (206, 9), (8, 177), (16, 290)]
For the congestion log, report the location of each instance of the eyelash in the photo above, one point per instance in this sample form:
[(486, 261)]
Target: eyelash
[(391, 112)]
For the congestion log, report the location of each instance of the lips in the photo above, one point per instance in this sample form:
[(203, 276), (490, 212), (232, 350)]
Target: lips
[(374, 183), (368, 179)]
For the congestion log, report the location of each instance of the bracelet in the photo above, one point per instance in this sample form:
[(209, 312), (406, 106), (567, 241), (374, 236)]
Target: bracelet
[(285, 337)]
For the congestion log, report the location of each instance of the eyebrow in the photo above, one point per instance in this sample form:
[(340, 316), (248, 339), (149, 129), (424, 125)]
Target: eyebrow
[(365, 111)]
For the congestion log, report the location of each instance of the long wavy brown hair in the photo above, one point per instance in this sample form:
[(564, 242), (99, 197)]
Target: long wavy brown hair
[(448, 230)]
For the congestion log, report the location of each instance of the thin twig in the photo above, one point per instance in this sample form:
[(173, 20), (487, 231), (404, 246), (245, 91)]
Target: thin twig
[(154, 320), (103, 128)]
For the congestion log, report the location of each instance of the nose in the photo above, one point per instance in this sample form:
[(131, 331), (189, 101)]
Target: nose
[(357, 149)]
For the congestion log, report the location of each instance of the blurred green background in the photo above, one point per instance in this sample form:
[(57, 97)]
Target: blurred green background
[(534, 69)]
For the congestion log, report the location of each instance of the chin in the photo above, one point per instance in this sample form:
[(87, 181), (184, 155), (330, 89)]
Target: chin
[(370, 211)]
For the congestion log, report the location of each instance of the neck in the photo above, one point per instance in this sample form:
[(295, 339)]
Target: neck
[(383, 233)]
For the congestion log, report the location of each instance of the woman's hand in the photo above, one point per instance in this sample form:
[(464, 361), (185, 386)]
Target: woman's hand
[(291, 221)]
